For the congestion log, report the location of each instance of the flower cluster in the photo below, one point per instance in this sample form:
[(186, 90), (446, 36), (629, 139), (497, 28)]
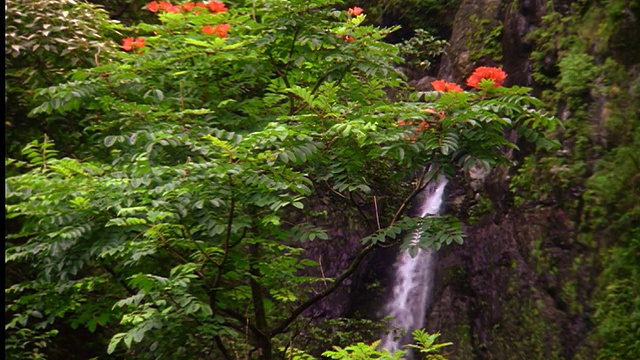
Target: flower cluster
[(490, 73), (220, 30), (355, 11), (441, 85), (496, 75), (129, 44), (348, 38), (213, 6), (419, 126)]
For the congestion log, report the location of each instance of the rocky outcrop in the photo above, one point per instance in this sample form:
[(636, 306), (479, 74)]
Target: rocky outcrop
[(493, 33), (517, 289)]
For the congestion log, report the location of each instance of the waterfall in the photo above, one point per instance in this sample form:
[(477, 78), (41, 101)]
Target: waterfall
[(413, 277)]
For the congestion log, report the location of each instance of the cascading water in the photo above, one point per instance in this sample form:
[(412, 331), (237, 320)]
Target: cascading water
[(413, 277)]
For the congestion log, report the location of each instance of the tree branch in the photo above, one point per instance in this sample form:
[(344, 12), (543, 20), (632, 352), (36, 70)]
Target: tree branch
[(328, 291), (115, 275)]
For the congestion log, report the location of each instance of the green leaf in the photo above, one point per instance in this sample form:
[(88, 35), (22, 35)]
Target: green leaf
[(109, 141), (113, 343)]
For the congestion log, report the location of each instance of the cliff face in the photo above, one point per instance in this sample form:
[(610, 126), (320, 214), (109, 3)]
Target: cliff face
[(527, 282), (502, 295)]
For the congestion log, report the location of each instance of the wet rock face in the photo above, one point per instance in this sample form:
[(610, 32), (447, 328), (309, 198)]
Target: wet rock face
[(479, 23), (472, 18), (519, 18), (503, 294), (344, 228)]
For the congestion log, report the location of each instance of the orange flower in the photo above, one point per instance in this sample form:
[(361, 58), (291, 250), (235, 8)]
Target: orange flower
[(355, 11), (153, 6), (216, 7), (441, 85), (207, 30), (221, 30), (483, 72), (129, 44), (187, 6), (348, 38)]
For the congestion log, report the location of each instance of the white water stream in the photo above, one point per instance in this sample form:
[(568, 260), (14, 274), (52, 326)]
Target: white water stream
[(413, 283)]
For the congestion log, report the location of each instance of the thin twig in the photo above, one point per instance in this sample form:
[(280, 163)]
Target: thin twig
[(358, 207), (322, 270), (95, 56), (375, 205), (335, 192)]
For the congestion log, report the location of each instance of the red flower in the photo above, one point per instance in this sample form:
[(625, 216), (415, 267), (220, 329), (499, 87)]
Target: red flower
[(139, 43), (440, 114), (421, 126), (216, 7), (187, 6), (199, 5), (208, 30), (168, 7), (441, 85), (355, 11), (483, 72), (129, 44), (348, 38), (221, 30), (153, 6)]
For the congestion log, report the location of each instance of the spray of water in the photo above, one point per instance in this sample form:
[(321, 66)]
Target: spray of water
[(413, 278)]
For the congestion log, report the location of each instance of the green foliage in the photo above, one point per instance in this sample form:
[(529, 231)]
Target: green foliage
[(362, 351), (177, 241), (595, 177), (339, 332), (421, 50), (548, 44), (44, 41), (433, 232), (577, 73), (425, 345), (612, 206), (28, 344), (486, 40)]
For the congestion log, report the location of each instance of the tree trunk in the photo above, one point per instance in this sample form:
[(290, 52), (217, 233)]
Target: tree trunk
[(257, 296)]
